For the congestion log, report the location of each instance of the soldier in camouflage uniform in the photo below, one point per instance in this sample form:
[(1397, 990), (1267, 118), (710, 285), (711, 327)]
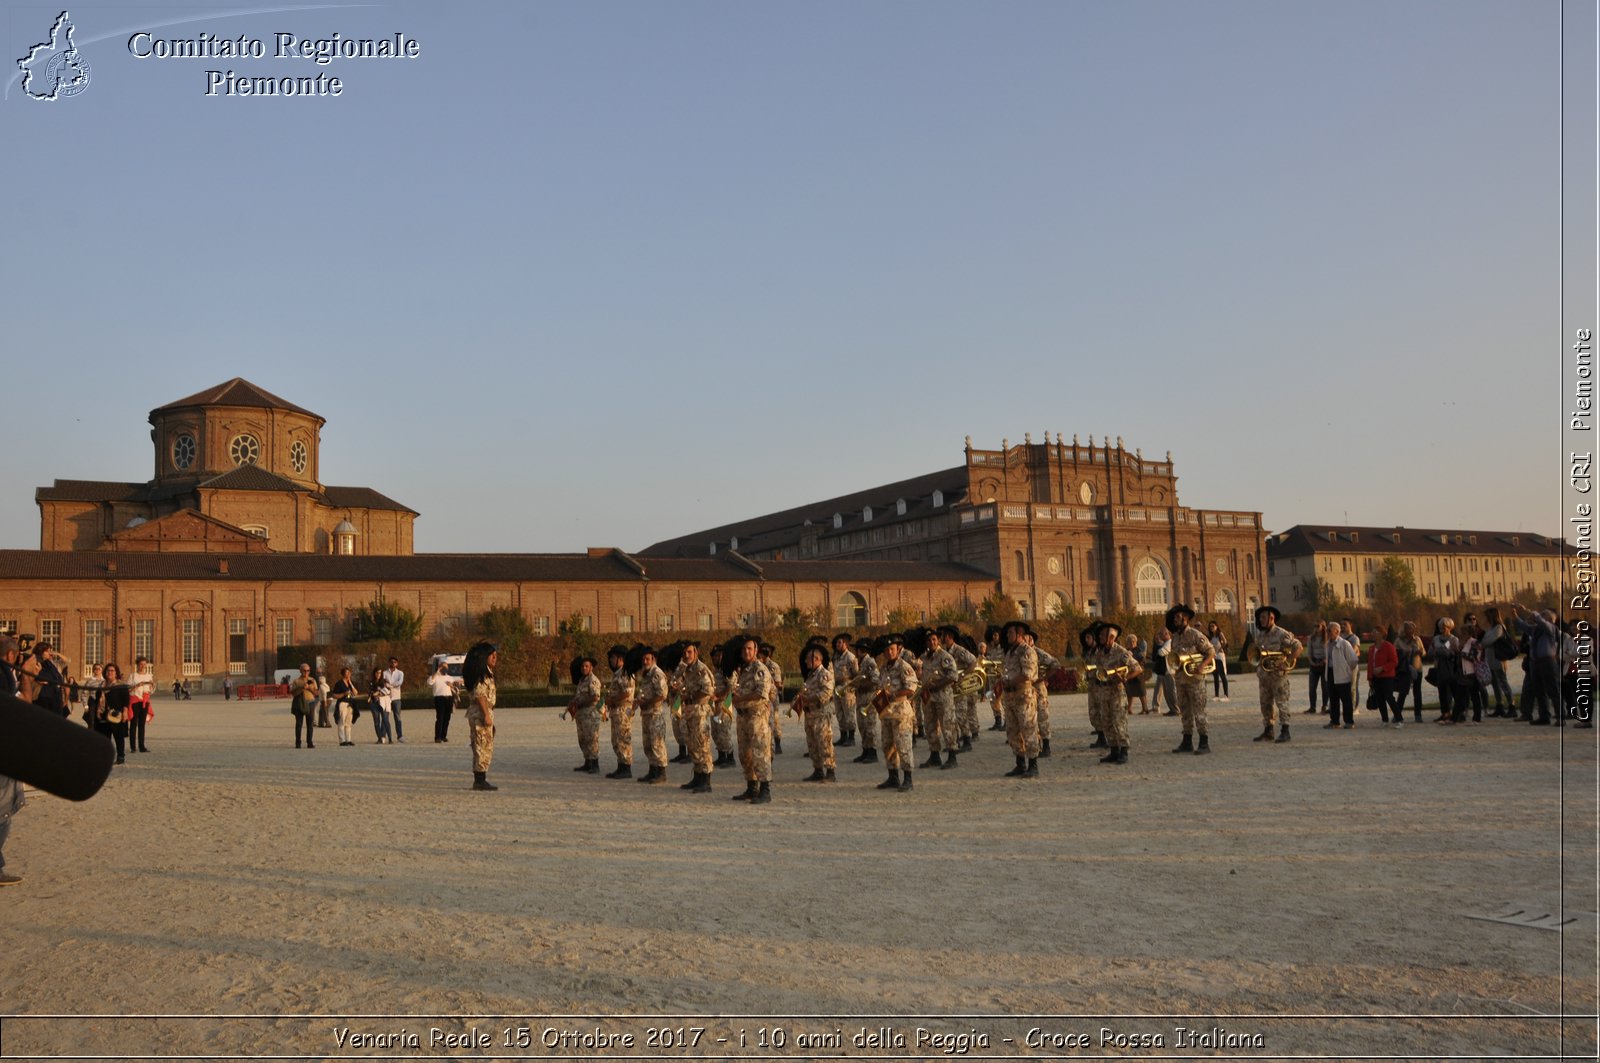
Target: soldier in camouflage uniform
[(680, 736), (1187, 639), (1107, 702), (939, 725), (1272, 674), (477, 674), (1041, 699), (1017, 678), (898, 682), (585, 709), (764, 655), (815, 702), (845, 669), (721, 713), (994, 651), (650, 699), (752, 703), (966, 704), (866, 716), (695, 686), (619, 704)]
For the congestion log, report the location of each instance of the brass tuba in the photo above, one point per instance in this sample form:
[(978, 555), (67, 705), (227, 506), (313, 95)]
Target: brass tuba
[(1274, 661), (1196, 664), (973, 680)]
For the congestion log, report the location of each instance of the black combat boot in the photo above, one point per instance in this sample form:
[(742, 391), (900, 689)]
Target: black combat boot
[(655, 775), (1099, 740), (1283, 734), (1020, 770), (905, 781), (763, 796), (1122, 754), (1186, 746), (480, 781), (829, 776), (692, 783), (1204, 746), (751, 788), (1044, 745), (815, 776), (1265, 735), (624, 771), (846, 740), (868, 756), (931, 762), (703, 786), (1111, 755), (949, 759), (682, 757), (966, 743), (999, 724), (892, 782), (1033, 769), (777, 747), (584, 766)]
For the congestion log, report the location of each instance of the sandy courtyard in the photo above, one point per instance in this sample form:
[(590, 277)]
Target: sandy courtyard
[(230, 895)]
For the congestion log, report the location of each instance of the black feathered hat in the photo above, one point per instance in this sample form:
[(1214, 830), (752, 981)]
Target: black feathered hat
[(619, 650), (1276, 616), (968, 643), (992, 632), (634, 661), (670, 656), (765, 648), (916, 640), (576, 668), (733, 654), (805, 651), (891, 639), (843, 636), (1174, 611), (1100, 625)]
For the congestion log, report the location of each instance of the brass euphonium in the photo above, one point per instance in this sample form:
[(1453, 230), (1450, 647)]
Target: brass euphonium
[(973, 680), (1099, 674), (1274, 661), (1195, 664)]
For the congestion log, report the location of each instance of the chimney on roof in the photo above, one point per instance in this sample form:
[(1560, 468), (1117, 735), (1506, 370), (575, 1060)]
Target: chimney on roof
[(111, 565), (222, 566)]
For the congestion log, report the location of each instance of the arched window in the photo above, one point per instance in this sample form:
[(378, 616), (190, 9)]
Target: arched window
[(1150, 587), (1222, 602), (938, 499), (866, 512), (850, 610), (1022, 564), (1054, 605), (1250, 566), (838, 520), (900, 507)]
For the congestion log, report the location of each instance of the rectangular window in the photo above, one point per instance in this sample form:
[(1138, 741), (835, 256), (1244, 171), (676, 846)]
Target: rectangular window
[(144, 639), (50, 631), (283, 632), (94, 643), (8, 626), (705, 621), (238, 645), (541, 625), (190, 647), (665, 622), (624, 622), (322, 630)]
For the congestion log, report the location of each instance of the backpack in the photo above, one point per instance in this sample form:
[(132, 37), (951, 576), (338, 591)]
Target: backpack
[(1505, 648)]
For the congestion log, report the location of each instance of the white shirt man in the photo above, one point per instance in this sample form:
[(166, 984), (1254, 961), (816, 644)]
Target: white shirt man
[(394, 677)]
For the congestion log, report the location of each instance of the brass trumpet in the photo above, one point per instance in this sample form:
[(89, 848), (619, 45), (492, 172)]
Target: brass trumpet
[(1196, 664), (1106, 675)]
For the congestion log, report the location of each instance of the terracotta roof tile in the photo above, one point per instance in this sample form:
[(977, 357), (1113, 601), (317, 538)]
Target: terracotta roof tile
[(235, 392)]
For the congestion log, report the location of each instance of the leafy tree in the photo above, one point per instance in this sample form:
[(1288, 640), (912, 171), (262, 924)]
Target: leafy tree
[(1394, 587), (902, 618), (955, 613), (998, 608), (506, 626), (1317, 596), (380, 621), (796, 619)]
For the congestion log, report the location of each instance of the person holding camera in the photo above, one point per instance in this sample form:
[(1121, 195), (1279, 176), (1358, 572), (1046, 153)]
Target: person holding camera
[(11, 799)]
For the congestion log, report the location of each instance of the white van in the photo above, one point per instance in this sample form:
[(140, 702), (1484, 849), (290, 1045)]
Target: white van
[(452, 665)]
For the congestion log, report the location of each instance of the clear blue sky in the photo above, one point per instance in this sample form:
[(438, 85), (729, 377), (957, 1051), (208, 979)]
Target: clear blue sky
[(601, 273)]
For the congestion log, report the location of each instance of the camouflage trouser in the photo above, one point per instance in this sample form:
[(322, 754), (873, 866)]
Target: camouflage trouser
[(622, 734), (844, 710), (588, 721), (1041, 710), (896, 722), (1022, 722), (819, 739), (722, 730), (693, 724), (1274, 697), (967, 710), (678, 734), (939, 725), (482, 737), (755, 745), (653, 730), (775, 718), (919, 716), (867, 724), (1106, 712), (1192, 706)]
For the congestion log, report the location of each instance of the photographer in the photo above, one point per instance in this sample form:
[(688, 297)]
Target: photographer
[(43, 680)]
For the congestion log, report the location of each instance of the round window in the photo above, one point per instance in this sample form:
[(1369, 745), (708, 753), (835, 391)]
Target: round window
[(1222, 566), (1086, 493), (297, 456), (244, 450), (1054, 565), (183, 451)]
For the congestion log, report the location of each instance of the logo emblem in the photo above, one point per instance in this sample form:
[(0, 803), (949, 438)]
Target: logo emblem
[(54, 69)]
